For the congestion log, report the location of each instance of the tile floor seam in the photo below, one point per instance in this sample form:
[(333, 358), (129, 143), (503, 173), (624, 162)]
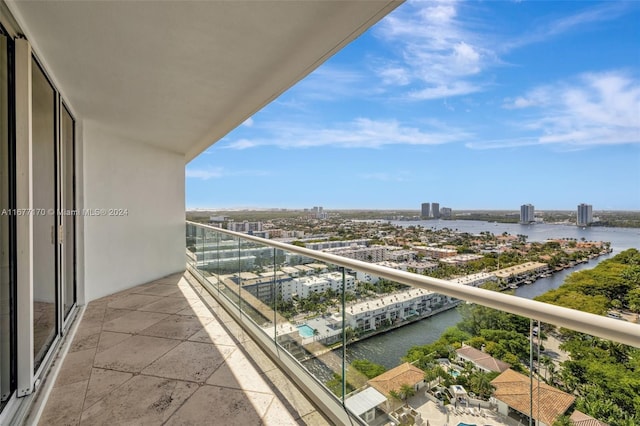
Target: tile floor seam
[(182, 404), (271, 391), (107, 393), (173, 378), (267, 410)]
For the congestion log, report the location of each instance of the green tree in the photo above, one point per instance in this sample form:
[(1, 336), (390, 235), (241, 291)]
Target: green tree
[(563, 421), (368, 368), (406, 392)]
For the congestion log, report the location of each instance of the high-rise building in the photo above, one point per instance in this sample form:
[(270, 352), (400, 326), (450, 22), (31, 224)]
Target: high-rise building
[(527, 212), (425, 211), (435, 210), (446, 213), (584, 215)]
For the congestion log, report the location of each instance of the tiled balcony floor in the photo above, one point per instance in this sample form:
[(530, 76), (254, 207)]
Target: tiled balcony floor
[(157, 355)]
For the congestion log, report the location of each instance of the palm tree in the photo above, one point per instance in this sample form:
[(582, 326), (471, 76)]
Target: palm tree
[(406, 392), (546, 362), (480, 384)]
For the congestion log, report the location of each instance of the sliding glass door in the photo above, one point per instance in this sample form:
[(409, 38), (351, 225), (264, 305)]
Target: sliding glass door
[(45, 229), (54, 270)]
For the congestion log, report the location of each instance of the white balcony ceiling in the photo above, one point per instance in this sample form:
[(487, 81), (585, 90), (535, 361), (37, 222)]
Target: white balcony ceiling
[(182, 74)]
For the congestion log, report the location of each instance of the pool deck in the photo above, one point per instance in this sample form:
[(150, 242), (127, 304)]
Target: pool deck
[(447, 415)]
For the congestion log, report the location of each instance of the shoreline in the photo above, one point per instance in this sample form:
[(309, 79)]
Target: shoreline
[(379, 331)]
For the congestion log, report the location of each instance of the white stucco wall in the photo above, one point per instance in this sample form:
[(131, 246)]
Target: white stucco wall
[(146, 243)]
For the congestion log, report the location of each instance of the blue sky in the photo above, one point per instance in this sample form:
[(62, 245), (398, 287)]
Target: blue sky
[(475, 105)]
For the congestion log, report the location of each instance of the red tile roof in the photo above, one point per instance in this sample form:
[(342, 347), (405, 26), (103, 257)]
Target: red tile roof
[(513, 388), (392, 380), (482, 359), (579, 418)]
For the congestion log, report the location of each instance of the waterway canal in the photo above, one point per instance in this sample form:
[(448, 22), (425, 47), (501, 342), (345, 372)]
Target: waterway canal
[(388, 349)]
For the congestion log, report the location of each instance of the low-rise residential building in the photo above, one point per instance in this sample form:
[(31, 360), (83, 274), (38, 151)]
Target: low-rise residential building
[(323, 245), (369, 315), (373, 279), (521, 271), (475, 280), (435, 252), (420, 267), (398, 254), (578, 418), (480, 360), (516, 392), (364, 403), (461, 259), (372, 254), (394, 379), (303, 287), (245, 226)]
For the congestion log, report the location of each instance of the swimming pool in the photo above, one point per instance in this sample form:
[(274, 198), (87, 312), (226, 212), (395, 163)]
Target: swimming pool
[(454, 372), (305, 330)]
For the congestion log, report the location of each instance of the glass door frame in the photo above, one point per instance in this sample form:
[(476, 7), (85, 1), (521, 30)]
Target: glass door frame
[(28, 377), (11, 222), (66, 217)]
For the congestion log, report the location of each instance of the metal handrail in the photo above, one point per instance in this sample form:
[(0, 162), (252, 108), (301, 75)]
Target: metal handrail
[(596, 325)]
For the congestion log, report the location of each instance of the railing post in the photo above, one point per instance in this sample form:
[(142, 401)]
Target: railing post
[(344, 336)]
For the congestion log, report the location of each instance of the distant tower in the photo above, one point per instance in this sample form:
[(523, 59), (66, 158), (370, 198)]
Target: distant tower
[(527, 214), (435, 210), (584, 216), (425, 210)]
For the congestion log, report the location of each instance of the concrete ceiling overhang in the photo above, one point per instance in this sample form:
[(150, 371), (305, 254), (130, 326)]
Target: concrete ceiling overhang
[(182, 74)]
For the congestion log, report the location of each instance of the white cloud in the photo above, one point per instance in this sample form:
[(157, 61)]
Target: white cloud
[(329, 83), (359, 133), (443, 51), (204, 174), (248, 122), (445, 91), (596, 109), (439, 54), (208, 173), (394, 75), (545, 30)]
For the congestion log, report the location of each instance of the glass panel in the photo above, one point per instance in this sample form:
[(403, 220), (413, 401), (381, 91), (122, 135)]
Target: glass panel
[(44, 229), (69, 207), (422, 357), (5, 222)]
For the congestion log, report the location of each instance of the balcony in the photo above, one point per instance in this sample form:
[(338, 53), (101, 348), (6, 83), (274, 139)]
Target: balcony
[(212, 343), (167, 353)]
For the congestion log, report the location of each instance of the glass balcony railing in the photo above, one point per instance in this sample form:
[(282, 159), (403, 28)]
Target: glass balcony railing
[(374, 345)]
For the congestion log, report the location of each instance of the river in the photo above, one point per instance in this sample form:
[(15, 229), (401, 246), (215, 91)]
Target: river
[(387, 349)]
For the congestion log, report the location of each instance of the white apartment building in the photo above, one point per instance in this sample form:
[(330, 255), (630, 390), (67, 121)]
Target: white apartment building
[(373, 279), (368, 315), (435, 252), (324, 245), (245, 226), (420, 267), (475, 280), (303, 287), (461, 259), (371, 254), (398, 254)]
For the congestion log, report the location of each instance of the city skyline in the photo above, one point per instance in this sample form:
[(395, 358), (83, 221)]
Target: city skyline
[(482, 105)]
